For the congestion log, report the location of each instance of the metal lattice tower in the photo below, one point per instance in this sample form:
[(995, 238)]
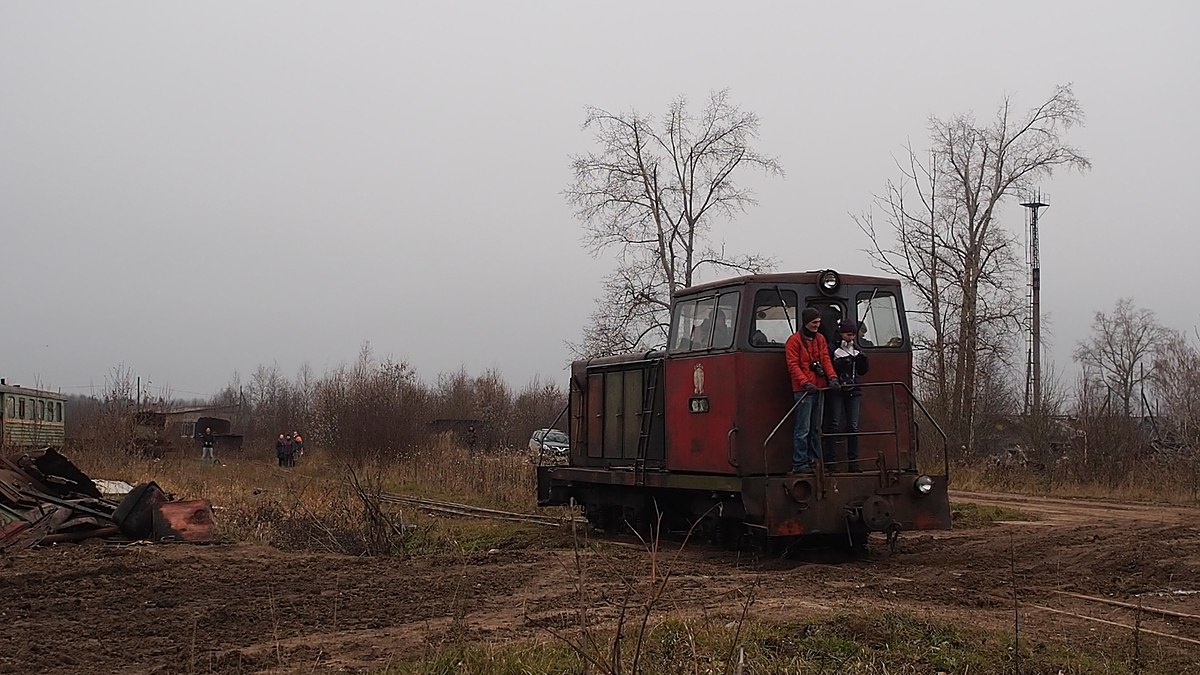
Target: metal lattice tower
[(1033, 382)]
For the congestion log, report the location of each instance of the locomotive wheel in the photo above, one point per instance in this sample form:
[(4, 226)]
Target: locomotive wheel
[(857, 538), (644, 523), (730, 534), (603, 517)]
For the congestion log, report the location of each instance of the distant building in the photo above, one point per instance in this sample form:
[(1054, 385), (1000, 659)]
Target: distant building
[(157, 432)]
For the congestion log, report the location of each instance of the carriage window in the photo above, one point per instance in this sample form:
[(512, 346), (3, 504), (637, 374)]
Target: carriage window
[(879, 320), (58, 412), (774, 317), (41, 410), (12, 407), (21, 409), (188, 429), (706, 323)]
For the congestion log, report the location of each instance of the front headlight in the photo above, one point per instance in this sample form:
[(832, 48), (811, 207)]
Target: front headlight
[(829, 281), (923, 485)]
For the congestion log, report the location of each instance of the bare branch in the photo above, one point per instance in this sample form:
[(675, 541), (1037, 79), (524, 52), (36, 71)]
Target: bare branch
[(654, 195)]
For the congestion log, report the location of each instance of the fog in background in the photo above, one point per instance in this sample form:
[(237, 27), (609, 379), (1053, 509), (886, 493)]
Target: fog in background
[(193, 190)]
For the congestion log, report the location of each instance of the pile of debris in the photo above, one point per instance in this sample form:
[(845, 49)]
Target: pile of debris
[(45, 499)]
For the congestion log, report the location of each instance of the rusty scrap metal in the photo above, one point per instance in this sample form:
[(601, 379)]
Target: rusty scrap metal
[(183, 521), (45, 499)]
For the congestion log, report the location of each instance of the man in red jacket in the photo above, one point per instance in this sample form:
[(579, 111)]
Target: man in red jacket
[(810, 370)]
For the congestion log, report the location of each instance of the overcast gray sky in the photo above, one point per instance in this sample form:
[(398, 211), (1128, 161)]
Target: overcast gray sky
[(194, 189)]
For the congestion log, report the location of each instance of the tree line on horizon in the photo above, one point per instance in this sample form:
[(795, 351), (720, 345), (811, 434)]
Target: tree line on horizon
[(372, 407)]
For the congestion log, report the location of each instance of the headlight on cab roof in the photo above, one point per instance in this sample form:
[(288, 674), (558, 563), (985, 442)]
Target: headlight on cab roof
[(829, 281)]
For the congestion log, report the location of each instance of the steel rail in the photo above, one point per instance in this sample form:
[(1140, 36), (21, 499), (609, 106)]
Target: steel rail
[(465, 507), (1127, 605), (472, 511)]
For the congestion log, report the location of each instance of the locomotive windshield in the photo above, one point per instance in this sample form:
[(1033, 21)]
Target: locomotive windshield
[(774, 317), (879, 320)]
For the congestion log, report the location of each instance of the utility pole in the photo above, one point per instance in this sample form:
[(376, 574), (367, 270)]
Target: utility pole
[(1034, 387)]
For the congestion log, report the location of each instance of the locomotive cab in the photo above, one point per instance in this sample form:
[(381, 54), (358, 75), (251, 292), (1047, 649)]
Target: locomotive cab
[(701, 433)]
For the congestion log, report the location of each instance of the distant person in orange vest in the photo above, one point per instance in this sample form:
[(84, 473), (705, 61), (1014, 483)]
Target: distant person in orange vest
[(297, 448)]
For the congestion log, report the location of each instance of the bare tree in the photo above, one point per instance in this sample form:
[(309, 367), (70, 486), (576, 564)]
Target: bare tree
[(947, 244), (653, 193), (1121, 349), (1175, 382)]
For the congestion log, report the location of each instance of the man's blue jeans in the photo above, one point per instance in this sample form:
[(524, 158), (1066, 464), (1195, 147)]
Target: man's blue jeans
[(844, 411), (806, 434)]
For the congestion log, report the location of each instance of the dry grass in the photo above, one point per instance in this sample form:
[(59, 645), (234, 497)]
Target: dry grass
[(316, 507), (1156, 478), (887, 643)]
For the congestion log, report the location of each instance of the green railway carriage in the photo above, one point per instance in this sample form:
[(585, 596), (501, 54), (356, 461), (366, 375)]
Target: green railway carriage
[(30, 417)]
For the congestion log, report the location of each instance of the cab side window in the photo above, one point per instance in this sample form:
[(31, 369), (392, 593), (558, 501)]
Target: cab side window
[(704, 323), (687, 333)]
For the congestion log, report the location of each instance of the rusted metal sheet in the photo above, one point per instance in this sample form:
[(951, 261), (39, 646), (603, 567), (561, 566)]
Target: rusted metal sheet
[(10, 524), (184, 521)]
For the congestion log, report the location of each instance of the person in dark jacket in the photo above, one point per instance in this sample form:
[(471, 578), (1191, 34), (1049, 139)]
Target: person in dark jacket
[(207, 446), (845, 404), (281, 450), (810, 370)]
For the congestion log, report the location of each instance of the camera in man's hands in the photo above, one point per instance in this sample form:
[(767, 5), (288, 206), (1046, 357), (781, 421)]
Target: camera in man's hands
[(817, 368)]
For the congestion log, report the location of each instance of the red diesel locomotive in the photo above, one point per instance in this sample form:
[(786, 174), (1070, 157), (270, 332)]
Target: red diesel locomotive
[(700, 434)]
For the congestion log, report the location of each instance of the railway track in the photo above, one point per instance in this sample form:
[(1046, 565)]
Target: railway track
[(1135, 617), (469, 511)]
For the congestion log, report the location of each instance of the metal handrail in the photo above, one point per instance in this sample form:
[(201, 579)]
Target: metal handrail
[(784, 419), (937, 427), (911, 395)]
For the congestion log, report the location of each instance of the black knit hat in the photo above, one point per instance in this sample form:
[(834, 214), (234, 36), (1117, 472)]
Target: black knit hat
[(809, 314)]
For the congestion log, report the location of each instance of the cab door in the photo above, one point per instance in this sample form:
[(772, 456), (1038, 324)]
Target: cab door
[(702, 384)]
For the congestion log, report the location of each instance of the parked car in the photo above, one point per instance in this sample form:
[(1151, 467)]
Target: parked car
[(551, 446)]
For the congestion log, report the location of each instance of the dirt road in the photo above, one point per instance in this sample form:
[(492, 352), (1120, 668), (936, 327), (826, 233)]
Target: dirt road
[(1057, 511), (245, 609)]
